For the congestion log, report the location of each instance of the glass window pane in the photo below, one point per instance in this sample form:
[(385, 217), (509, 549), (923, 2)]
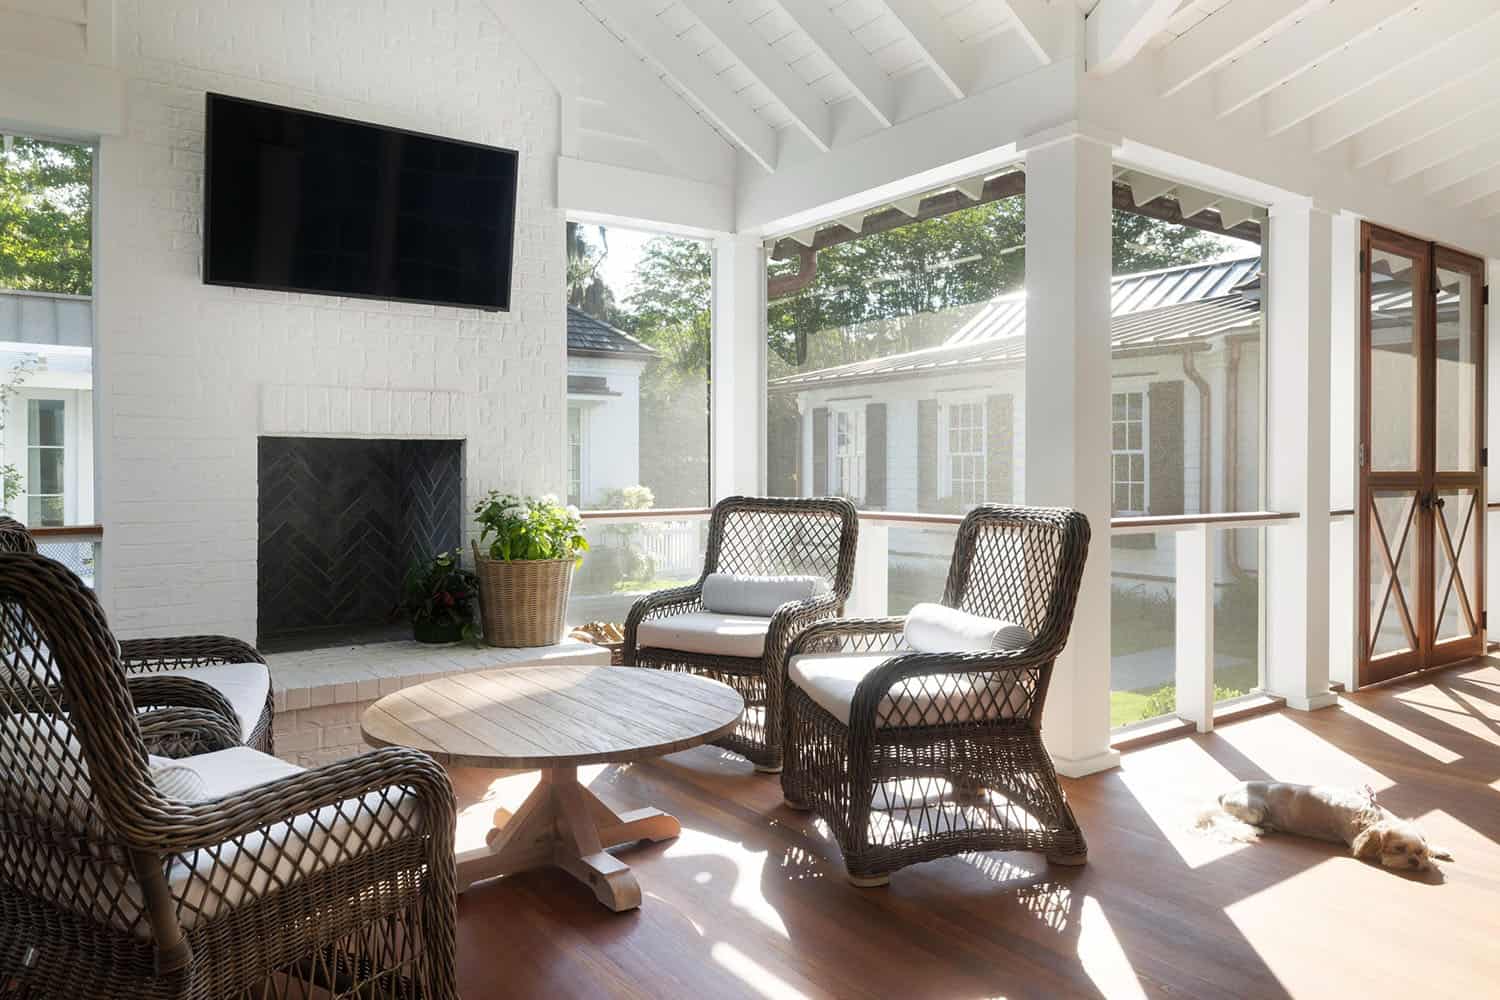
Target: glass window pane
[(1236, 612), (45, 422), (1143, 637), (643, 301), (45, 471), (1394, 368), (1458, 306)]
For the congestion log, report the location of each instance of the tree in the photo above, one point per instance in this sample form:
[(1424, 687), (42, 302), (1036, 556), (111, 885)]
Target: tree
[(46, 216), (587, 291)]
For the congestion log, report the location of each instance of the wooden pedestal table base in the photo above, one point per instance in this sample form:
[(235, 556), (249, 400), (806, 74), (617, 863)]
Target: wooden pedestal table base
[(556, 719), (565, 825)]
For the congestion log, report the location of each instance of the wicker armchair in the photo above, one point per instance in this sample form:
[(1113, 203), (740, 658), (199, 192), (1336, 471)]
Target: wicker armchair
[(14, 537), (212, 672), (933, 754), (766, 537), (267, 880)]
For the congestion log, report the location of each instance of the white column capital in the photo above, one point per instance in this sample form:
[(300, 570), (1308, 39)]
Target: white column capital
[(1071, 131)]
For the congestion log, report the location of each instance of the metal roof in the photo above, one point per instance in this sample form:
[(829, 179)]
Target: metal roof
[(589, 336), (1169, 307), (46, 318)]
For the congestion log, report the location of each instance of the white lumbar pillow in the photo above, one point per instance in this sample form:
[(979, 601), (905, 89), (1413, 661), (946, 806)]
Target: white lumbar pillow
[(176, 781), (740, 594), (936, 628)]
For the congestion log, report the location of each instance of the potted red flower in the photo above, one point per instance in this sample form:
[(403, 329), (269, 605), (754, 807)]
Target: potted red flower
[(439, 596)]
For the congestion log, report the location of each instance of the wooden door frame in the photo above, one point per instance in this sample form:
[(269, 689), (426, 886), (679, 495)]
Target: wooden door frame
[(1426, 480)]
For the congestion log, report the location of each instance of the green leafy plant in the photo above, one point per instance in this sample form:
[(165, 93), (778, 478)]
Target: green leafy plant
[(10, 486), (439, 593), (515, 528)]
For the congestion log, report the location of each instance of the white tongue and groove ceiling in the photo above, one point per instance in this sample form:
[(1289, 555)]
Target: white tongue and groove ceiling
[(706, 89)]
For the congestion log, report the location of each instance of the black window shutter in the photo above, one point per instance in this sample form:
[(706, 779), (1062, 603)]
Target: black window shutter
[(820, 452), (875, 455), (927, 454), (1000, 448), (1164, 438)]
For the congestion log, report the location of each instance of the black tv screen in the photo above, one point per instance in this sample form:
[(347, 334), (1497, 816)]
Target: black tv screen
[(303, 202)]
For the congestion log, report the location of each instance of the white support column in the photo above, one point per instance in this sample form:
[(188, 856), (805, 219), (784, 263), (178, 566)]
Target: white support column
[(1195, 625), (738, 443), (1068, 206), (1343, 455), (1298, 375), (872, 563)]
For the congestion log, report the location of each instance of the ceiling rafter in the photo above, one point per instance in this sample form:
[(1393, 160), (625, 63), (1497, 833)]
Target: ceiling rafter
[(1464, 57), (1116, 31), (1368, 61), (733, 116), (1040, 26), (809, 113), (1468, 164), (582, 58), (1479, 186), (872, 88), (1425, 134), (940, 47), (1300, 47), (1223, 35)]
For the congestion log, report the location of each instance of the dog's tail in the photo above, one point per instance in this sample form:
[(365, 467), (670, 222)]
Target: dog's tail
[(1217, 823)]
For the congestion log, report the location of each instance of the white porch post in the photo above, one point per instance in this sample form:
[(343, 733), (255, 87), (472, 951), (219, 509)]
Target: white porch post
[(738, 376), (1343, 487), (1298, 377), (1068, 205)]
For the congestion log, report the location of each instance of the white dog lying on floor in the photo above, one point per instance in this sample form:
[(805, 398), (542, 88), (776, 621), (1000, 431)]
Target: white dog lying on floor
[(1324, 812)]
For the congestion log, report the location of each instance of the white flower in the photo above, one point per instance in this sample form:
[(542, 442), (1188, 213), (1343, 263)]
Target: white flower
[(549, 499), (514, 512), (573, 512)]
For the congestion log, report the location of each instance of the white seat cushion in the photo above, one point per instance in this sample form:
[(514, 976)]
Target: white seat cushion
[(245, 685), (207, 882), (706, 632), (830, 680)]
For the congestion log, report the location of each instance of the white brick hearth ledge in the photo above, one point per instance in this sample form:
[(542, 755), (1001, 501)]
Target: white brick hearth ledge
[(321, 693)]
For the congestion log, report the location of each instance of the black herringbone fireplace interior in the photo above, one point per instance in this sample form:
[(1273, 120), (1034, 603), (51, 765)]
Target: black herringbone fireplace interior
[(341, 521)]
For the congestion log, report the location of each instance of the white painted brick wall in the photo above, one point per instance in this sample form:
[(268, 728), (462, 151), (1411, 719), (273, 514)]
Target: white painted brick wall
[(190, 374)]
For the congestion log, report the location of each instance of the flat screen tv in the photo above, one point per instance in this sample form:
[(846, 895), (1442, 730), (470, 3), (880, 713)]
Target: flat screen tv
[(302, 202)]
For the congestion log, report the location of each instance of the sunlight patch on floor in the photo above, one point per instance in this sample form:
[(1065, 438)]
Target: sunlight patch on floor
[(1170, 793), (754, 975), (1102, 957), (1398, 732), (749, 866), (1454, 709), (507, 791)]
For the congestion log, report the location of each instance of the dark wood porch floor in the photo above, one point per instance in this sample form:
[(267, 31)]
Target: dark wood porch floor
[(751, 900)]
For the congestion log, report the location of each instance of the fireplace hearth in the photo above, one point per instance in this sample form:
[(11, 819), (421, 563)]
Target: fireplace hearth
[(340, 522)]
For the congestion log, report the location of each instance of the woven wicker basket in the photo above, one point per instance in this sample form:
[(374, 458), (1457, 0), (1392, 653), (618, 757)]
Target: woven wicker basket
[(522, 602)]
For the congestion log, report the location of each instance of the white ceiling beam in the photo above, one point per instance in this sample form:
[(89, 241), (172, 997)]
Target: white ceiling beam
[(1191, 201), (1370, 60), (1488, 208), (582, 58), (1300, 47), (808, 111), (1428, 133), (1473, 189), (1116, 31), (1462, 167), (1040, 25), (1224, 35), (1145, 188), (726, 109), (1464, 57), (872, 88), (920, 21)]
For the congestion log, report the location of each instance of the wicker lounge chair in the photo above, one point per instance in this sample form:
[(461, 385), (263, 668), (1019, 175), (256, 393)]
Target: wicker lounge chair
[(755, 536), (914, 756), (200, 671), (256, 879)]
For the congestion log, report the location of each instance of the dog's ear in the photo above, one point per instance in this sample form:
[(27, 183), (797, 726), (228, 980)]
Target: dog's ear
[(1369, 843), (1440, 853)]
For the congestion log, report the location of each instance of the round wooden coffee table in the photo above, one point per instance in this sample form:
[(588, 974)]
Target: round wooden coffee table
[(556, 719)]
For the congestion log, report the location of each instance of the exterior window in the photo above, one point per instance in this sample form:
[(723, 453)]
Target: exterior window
[(965, 457), (575, 455), (849, 453), (44, 462), (1128, 424)]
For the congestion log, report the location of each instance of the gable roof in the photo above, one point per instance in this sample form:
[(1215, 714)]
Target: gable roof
[(1169, 307), (589, 337)]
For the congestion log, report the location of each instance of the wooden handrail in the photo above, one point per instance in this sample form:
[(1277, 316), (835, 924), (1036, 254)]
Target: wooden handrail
[(914, 518), (81, 532), (649, 514)]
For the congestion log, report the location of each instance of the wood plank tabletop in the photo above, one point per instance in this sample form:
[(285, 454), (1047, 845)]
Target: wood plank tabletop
[(556, 716)]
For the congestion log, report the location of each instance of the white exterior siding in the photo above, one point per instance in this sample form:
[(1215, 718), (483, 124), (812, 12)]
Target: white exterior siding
[(611, 426)]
